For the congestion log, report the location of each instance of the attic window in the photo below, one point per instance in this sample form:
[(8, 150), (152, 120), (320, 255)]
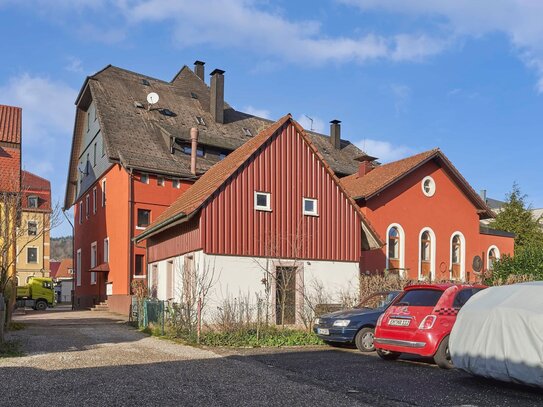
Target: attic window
[(138, 105), (168, 112), (32, 201), (188, 150), (200, 120), (247, 132), (193, 95), (145, 82)]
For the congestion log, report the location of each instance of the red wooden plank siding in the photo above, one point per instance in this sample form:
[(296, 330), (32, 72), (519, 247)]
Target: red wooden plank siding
[(177, 240), (287, 168)]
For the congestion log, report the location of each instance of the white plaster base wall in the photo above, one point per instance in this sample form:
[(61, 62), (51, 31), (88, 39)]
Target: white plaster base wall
[(242, 276)]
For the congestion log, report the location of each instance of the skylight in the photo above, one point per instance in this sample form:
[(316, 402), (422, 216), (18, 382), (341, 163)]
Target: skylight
[(247, 132), (167, 112), (200, 120), (145, 82), (193, 95)]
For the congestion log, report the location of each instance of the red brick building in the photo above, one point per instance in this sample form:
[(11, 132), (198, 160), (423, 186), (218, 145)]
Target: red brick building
[(429, 217)]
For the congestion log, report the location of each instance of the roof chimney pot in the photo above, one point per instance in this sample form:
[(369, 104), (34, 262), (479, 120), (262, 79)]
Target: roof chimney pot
[(199, 69), (216, 99), (335, 133)]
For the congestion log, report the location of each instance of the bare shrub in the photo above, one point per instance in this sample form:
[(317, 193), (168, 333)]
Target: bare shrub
[(370, 284), (513, 279), (314, 295)]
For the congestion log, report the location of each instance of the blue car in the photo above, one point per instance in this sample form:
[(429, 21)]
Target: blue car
[(355, 325)]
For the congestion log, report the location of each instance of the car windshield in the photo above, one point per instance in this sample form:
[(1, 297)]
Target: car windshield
[(420, 298), (379, 300)]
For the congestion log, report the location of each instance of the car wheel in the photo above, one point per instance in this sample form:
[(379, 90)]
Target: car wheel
[(41, 306), (443, 356), (364, 340), (387, 354)]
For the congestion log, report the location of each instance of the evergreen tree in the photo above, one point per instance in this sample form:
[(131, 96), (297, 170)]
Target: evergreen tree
[(516, 217)]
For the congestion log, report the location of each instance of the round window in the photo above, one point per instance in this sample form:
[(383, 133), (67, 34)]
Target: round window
[(428, 186)]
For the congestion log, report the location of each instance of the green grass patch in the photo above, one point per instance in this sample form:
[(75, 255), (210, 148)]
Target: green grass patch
[(16, 326), (10, 349)]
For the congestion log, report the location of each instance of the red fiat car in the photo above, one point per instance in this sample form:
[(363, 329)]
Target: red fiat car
[(420, 320)]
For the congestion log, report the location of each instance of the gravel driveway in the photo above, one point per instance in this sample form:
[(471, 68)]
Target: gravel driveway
[(94, 358)]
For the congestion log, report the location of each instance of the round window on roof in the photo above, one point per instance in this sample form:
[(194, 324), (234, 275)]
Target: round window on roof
[(428, 186)]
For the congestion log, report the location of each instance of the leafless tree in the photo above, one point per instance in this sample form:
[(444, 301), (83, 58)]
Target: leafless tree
[(280, 272), (15, 237), (314, 294)]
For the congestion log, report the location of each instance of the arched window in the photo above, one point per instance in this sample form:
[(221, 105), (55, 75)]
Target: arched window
[(427, 254), (393, 243), (395, 251), (426, 247), (458, 254), (493, 255)]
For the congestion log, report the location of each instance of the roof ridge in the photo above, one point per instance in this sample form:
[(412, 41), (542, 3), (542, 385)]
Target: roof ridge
[(128, 71)]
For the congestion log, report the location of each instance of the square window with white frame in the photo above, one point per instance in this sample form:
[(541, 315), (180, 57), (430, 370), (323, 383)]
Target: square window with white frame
[(262, 201), (310, 207)]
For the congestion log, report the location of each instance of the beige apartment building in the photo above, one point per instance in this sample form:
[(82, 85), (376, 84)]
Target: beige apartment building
[(33, 238)]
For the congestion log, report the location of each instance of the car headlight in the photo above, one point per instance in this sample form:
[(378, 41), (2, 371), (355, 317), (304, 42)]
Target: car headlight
[(317, 321), (342, 322)]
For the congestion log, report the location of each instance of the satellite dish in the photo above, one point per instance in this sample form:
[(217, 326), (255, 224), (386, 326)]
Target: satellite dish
[(152, 98)]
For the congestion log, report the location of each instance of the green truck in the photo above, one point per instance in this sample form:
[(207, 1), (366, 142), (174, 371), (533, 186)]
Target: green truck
[(38, 293)]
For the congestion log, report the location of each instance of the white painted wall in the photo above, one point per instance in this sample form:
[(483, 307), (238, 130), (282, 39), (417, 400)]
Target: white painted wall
[(243, 276)]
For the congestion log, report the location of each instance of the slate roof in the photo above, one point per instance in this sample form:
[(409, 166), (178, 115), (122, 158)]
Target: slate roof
[(10, 124), (203, 189), (139, 138), (383, 176)]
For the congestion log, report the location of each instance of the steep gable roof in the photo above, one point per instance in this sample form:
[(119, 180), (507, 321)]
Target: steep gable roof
[(10, 124), (139, 138), (195, 197), (34, 185), (383, 176)]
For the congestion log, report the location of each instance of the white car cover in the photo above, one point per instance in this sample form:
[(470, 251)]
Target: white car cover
[(499, 334)]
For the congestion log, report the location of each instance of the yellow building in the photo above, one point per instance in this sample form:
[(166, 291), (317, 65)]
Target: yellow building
[(33, 236)]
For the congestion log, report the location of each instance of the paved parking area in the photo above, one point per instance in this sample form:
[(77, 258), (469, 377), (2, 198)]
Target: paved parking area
[(408, 382), (91, 358)]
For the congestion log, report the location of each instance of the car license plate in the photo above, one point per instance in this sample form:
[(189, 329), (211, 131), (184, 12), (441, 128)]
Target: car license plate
[(323, 331), (399, 322)]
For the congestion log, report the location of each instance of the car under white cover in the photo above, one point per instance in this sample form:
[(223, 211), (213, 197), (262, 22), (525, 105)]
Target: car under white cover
[(499, 334)]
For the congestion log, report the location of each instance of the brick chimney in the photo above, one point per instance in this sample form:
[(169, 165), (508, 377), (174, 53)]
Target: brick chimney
[(193, 149), (199, 69), (335, 134), (366, 164), (217, 95)]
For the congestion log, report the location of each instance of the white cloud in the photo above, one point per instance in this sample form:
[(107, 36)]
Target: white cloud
[(384, 150), (520, 20), (246, 24), (402, 94), (266, 114), (74, 65), (316, 125), (48, 106)]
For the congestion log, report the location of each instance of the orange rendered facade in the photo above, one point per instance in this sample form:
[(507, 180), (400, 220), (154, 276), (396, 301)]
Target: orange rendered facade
[(110, 228), (448, 213)]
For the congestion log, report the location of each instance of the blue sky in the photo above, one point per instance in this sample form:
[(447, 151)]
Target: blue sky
[(403, 76)]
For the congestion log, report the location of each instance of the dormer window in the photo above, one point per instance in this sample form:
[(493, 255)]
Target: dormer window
[(32, 201), (200, 120), (188, 150)]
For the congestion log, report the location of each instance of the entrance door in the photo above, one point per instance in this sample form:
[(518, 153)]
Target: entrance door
[(285, 295)]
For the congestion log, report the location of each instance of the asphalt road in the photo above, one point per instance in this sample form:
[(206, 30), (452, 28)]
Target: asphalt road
[(89, 358)]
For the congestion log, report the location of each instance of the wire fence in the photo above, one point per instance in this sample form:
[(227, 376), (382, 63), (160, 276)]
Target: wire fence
[(148, 312)]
